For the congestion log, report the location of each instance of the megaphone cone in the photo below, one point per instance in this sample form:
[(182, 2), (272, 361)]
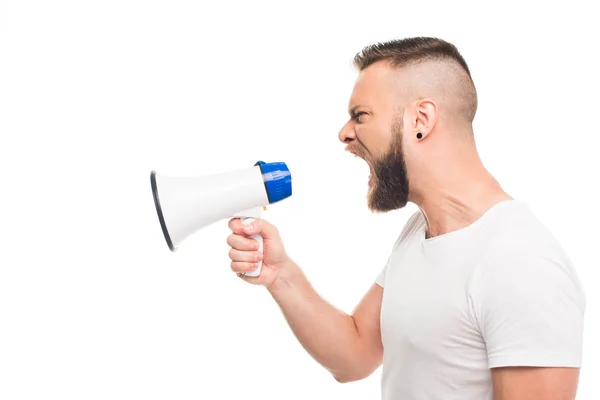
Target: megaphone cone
[(186, 204)]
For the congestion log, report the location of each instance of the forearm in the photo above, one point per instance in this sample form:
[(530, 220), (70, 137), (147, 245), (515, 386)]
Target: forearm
[(329, 335)]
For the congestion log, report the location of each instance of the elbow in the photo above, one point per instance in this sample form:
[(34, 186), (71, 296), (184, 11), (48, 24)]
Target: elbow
[(343, 379), (350, 377), (359, 368)]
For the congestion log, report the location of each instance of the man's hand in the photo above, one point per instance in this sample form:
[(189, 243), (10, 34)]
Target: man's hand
[(535, 383), (244, 252)]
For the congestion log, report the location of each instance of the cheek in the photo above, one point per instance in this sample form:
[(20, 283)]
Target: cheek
[(374, 141), (381, 148), (383, 136)]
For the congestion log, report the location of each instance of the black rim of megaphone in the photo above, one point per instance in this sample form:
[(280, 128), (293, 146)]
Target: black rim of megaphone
[(163, 225)]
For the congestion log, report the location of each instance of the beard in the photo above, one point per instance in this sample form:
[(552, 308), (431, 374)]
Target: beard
[(390, 179)]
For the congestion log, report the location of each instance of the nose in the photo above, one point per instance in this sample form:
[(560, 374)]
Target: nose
[(347, 133)]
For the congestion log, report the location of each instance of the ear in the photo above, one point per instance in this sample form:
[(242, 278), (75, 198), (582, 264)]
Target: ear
[(426, 114)]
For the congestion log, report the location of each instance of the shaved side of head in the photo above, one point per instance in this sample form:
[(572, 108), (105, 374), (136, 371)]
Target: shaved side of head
[(427, 68), (443, 81)]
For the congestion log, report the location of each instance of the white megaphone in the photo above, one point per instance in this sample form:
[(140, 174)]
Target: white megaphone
[(186, 204)]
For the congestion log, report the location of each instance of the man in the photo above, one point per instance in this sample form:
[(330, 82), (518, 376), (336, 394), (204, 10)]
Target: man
[(478, 300)]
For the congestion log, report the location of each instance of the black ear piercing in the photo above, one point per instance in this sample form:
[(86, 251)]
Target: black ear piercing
[(419, 135)]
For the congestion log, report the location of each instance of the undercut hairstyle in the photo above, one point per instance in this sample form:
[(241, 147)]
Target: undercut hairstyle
[(410, 51)]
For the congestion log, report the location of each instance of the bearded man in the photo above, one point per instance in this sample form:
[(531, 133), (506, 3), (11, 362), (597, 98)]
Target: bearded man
[(477, 301)]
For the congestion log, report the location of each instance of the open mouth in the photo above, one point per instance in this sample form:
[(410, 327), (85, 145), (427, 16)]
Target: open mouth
[(371, 180)]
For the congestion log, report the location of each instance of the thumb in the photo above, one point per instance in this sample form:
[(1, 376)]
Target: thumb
[(261, 227)]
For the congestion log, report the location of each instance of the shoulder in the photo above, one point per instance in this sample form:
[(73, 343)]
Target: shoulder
[(516, 232), (522, 258), (527, 263)]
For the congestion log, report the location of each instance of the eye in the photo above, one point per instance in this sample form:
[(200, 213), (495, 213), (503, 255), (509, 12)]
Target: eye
[(356, 116)]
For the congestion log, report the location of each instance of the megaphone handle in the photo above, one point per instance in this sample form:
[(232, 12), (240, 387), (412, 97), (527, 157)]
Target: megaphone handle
[(259, 239)]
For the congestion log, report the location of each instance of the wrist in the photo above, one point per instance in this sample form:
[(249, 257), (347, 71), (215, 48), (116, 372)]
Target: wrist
[(286, 275)]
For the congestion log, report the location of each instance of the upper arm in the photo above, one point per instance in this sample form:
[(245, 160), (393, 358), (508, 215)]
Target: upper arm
[(535, 383), (366, 318), (530, 312)]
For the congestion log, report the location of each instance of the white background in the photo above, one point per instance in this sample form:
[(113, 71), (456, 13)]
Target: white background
[(96, 94)]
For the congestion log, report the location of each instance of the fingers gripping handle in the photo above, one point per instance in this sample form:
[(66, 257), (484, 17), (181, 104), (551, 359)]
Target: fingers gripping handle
[(259, 239)]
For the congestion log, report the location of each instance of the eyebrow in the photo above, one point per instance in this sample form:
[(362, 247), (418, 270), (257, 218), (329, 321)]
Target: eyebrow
[(352, 111)]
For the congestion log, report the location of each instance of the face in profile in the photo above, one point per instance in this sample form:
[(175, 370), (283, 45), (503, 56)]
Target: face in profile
[(374, 133)]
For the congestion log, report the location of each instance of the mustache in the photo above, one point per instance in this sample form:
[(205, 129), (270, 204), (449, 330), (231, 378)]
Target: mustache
[(357, 151)]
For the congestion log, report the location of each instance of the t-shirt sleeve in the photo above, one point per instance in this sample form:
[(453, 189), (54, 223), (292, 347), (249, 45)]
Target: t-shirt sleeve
[(380, 280), (530, 311)]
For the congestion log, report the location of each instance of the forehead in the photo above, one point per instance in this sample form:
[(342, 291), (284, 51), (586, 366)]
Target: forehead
[(375, 84)]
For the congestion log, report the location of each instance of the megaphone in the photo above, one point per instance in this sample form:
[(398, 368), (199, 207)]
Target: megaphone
[(186, 204)]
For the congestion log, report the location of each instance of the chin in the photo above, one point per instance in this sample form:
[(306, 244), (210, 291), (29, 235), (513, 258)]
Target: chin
[(380, 203)]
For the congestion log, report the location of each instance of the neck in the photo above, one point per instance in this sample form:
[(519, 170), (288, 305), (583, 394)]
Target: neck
[(453, 198)]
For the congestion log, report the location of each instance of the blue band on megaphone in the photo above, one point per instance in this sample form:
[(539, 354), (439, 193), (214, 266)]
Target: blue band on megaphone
[(278, 180)]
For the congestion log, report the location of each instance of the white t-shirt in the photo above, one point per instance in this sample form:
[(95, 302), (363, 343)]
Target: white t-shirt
[(499, 292)]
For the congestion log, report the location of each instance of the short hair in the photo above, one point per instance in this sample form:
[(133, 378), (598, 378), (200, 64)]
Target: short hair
[(403, 52)]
